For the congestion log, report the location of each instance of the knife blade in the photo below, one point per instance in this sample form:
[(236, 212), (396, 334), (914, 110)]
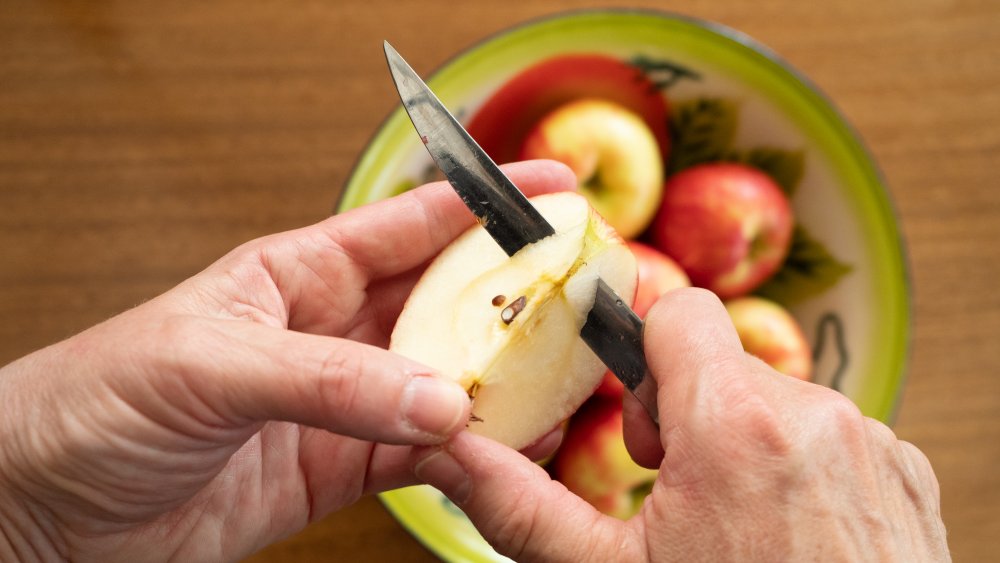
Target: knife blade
[(612, 330)]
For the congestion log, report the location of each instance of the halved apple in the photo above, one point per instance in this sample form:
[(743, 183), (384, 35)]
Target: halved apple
[(508, 328)]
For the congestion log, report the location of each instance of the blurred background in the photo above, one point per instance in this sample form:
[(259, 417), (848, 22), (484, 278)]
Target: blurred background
[(140, 141)]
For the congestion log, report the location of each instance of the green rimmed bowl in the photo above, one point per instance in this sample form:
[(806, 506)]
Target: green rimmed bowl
[(858, 320)]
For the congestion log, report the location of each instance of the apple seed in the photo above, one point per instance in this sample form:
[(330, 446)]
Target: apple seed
[(499, 300), (512, 310), (473, 389)]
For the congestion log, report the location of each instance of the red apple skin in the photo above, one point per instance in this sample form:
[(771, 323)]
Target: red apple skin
[(767, 330), (502, 123), (728, 225), (658, 274), (594, 464)]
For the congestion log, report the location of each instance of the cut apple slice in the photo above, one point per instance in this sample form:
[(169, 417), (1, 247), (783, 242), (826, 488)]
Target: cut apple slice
[(508, 328)]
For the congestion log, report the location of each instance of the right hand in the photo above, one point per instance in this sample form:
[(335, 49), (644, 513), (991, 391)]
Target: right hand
[(757, 466)]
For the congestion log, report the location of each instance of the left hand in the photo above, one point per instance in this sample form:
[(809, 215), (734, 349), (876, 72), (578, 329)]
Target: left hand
[(248, 401)]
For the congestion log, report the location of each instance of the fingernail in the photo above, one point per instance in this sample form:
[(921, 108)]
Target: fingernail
[(434, 405), (442, 472)]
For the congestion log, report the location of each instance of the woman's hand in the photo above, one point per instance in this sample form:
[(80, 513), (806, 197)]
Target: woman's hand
[(250, 400)]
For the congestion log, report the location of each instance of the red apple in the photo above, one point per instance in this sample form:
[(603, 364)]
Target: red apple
[(768, 331), (658, 274), (614, 154), (594, 464), (501, 124), (728, 225)]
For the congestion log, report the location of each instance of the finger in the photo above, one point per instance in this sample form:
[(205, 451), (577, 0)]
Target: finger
[(320, 270), (545, 446), (389, 466), (392, 236), (384, 302), (518, 508), (642, 437), (427, 219), (692, 350), (244, 372)]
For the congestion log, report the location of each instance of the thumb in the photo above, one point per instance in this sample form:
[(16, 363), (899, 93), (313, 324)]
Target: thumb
[(692, 349), (246, 372), (518, 508)]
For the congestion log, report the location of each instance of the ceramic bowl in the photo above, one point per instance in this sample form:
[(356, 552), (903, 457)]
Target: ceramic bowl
[(851, 293)]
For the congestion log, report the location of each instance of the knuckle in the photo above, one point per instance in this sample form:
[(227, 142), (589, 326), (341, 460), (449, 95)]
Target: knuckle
[(922, 469), (768, 431), (917, 457), (758, 422), (837, 414), (515, 529), (337, 382), (176, 339), (520, 530), (879, 433)]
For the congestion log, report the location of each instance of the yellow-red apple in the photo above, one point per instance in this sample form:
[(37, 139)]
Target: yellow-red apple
[(658, 274), (767, 330), (594, 464), (614, 155)]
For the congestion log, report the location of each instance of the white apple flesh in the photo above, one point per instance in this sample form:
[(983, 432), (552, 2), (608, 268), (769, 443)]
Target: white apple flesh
[(508, 328), (614, 154)]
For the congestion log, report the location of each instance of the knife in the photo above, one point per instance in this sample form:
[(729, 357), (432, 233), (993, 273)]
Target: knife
[(612, 330)]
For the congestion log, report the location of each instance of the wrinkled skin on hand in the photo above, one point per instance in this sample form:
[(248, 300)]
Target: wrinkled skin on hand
[(753, 466), (248, 401)]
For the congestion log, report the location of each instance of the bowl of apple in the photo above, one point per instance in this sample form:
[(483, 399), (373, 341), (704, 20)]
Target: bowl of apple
[(718, 166)]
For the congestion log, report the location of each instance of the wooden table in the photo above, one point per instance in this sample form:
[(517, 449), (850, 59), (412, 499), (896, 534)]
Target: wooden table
[(140, 140)]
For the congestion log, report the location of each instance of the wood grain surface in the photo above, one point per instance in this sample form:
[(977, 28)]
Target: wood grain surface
[(141, 140)]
